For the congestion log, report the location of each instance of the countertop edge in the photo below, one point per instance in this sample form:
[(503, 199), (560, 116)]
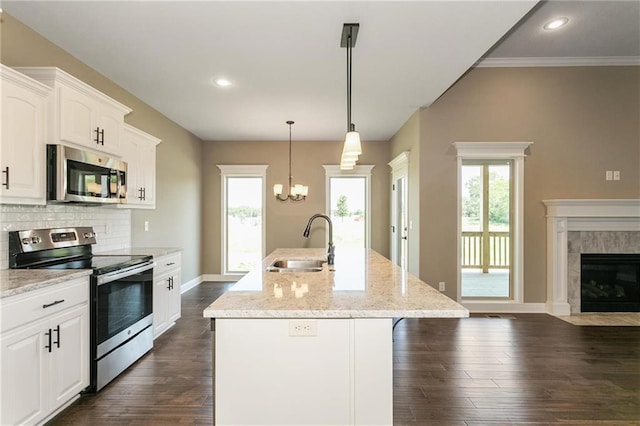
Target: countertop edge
[(50, 279)]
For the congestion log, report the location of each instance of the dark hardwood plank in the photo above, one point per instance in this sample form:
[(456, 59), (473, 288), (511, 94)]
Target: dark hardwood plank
[(529, 369)]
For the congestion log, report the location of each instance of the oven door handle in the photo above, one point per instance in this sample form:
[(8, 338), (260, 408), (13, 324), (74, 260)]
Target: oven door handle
[(116, 275)]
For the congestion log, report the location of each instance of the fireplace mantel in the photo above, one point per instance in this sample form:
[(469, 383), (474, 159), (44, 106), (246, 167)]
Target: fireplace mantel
[(564, 215)]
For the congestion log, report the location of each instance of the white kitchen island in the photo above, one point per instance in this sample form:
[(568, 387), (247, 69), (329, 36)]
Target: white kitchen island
[(314, 348)]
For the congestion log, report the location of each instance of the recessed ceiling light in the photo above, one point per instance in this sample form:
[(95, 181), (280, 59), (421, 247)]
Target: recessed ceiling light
[(222, 82), (556, 23)]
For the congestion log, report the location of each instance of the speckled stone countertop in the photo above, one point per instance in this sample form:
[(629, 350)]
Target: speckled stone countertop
[(18, 281), (143, 251), (362, 284)]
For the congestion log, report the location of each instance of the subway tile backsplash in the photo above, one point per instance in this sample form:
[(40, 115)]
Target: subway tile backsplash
[(112, 225)]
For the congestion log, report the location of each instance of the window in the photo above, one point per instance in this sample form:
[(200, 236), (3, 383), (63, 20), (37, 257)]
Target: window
[(243, 234), (349, 205)]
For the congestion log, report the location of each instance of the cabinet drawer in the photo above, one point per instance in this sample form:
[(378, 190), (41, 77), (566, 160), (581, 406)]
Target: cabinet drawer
[(167, 263), (27, 307)]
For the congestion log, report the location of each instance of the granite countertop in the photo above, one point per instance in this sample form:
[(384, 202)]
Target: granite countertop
[(362, 284), (142, 251), (18, 281)]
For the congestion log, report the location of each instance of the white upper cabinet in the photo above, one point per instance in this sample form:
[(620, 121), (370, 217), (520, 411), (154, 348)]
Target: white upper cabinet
[(23, 125), (80, 114), (139, 151)]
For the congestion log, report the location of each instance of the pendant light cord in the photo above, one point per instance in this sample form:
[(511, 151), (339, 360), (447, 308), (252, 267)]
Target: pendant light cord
[(349, 81), (290, 176)]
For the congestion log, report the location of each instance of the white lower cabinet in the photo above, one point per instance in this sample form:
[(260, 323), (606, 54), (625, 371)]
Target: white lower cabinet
[(45, 355), (166, 292), (301, 371)]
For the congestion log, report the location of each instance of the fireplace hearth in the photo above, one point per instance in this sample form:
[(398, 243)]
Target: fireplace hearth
[(610, 282)]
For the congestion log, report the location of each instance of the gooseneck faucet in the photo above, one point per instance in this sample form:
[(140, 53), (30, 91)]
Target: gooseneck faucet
[(331, 251)]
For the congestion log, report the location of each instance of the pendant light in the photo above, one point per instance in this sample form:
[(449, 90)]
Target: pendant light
[(297, 192), (352, 147)]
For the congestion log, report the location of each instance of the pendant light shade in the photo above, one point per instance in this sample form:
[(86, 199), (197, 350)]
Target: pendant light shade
[(352, 147)]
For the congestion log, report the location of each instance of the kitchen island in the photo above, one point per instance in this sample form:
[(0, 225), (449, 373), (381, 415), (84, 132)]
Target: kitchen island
[(314, 347)]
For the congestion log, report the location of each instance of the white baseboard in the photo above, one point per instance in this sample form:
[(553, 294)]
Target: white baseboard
[(504, 307), (223, 278), (190, 284)]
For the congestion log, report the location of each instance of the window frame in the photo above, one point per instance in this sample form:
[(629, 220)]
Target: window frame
[(361, 171), (240, 171)]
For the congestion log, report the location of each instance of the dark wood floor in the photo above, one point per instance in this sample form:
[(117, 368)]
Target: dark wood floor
[(532, 369)]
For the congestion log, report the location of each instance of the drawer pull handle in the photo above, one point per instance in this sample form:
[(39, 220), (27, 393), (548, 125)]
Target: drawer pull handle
[(57, 330), (171, 263), (6, 172), (51, 304), (48, 333)]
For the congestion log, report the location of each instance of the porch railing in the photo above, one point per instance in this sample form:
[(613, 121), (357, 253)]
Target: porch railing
[(485, 250)]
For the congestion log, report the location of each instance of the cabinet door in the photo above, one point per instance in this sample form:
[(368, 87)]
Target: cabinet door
[(160, 314), (109, 123), (69, 356), (22, 153), (147, 173), (173, 298), (23, 374), (129, 151), (76, 118)]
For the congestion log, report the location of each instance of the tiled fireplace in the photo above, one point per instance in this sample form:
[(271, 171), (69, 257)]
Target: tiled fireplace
[(575, 227)]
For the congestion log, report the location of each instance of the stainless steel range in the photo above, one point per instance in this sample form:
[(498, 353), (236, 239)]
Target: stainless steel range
[(121, 293)]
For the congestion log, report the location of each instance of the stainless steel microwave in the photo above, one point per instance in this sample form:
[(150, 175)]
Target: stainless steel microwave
[(74, 175)]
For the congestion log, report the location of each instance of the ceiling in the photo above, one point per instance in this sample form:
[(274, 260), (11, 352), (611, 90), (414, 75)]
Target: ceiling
[(285, 61)]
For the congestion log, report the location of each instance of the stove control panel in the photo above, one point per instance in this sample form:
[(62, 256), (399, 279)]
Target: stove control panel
[(44, 239)]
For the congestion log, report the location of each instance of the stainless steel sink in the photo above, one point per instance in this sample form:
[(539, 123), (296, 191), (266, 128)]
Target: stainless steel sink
[(296, 265)]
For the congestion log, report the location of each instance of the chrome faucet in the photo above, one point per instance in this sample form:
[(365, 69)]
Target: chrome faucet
[(331, 251)]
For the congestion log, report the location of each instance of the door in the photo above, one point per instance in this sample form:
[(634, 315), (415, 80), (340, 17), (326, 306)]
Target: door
[(22, 150), (486, 242), (76, 118), (69, 356), (400, 210), (24, 374)]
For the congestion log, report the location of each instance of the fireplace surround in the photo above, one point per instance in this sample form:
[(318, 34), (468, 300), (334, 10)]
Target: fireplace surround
[(584, 226)]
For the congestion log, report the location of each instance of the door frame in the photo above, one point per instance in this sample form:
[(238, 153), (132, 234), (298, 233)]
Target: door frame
[(399, 169), (514, 151)]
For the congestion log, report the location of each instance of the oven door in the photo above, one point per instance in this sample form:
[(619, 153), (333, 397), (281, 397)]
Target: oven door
[(123, 305)]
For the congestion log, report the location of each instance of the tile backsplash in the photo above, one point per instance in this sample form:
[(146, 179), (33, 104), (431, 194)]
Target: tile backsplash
[(113, 226)]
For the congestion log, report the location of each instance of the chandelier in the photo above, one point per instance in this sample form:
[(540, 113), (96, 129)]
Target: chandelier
[(297, 192)]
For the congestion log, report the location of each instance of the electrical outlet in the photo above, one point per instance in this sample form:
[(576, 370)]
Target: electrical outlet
[(146, 225), (441, 286), (608, 175), (616, 175), (303, 328)]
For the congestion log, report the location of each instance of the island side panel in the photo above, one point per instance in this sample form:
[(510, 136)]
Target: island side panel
[(263, 375), (373, 371)]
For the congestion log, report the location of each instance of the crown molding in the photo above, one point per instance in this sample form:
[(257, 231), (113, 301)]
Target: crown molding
[(594, 61)]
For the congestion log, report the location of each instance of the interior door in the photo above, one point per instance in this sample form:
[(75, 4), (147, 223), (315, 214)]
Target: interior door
[(400, 210)]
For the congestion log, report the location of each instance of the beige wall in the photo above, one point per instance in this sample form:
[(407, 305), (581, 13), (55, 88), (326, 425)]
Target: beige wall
[(176, 220), (582, 121), (407, 138), (285, 221)]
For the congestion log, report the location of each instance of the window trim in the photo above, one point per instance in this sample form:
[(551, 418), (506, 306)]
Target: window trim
[(514, 151), (240, 171), (363, 170)]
